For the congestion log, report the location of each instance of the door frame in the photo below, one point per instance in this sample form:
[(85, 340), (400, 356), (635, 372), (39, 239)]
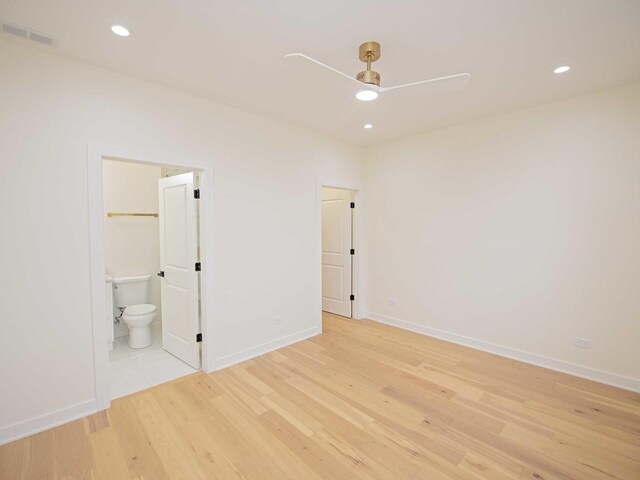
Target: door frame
[(357, 311), (95, 156)]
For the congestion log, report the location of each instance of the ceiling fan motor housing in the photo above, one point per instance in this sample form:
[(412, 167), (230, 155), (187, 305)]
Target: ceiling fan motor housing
[(370, 77)]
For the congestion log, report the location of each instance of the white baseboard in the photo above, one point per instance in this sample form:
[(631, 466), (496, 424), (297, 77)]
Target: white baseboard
[(589, 373), (252, 352), (33, 425)]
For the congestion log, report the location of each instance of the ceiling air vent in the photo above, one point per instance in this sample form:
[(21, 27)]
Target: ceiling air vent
[(26, 34), (15, 30), (38, 37)]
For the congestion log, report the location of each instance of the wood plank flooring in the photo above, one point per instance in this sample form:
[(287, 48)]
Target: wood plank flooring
[(361, 401)]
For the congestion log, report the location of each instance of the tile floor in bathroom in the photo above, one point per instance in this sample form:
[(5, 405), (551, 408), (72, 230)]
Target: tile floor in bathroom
[(131, 370)]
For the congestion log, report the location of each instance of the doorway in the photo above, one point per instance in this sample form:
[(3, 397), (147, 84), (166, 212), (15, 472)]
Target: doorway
[(338, 251), (155, 212), (152, 274)]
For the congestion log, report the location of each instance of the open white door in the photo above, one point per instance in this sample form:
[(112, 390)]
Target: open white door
[(178, 257), (336, 251)]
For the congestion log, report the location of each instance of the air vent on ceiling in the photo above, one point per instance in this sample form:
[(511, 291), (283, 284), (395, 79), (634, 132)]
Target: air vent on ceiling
[(27, 34), (37, 37), (14, 30)]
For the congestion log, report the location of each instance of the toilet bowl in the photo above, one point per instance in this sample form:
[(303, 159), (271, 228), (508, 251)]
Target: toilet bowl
[(131, 295), (138, 318)]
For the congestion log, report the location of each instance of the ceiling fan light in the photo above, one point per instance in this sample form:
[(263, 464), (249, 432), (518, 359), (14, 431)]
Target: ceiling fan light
[(366, 95)]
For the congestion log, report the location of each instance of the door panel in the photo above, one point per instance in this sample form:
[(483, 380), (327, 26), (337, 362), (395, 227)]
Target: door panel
[(178, 256), (333, 282), (336, 255), (176, 221)]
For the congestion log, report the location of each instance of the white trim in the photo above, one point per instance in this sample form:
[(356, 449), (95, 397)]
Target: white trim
[(581, 371), (266, 347), (207, 275), (49, 420), (358, 303), (96, 252), (95, 155)]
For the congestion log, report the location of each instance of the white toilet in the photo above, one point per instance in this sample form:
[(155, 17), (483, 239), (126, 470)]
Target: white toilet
[(131, 296)]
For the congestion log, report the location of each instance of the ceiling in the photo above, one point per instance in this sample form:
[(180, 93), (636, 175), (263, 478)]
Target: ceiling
[(232, 52)]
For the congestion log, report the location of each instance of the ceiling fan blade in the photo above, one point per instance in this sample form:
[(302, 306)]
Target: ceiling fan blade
[(461, 78), (302, 55)]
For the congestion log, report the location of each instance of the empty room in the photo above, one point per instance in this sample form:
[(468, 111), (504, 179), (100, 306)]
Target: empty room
[(369, 240)]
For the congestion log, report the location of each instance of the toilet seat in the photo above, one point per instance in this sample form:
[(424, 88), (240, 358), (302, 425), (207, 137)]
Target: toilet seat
[(141, 309)]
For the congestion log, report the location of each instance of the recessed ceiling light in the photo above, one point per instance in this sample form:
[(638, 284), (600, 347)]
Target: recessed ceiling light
[(366, 95), (564, 68), (120, 30), (368, 126)]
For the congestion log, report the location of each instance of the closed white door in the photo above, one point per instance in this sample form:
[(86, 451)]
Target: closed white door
[(178, 257), (336, 251)]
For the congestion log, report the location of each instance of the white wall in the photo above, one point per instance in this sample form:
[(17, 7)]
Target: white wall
[(132, 244), (519, 231), (266, 245)]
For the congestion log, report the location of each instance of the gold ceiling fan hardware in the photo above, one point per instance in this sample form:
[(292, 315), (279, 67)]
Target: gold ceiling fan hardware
[(369, 52)]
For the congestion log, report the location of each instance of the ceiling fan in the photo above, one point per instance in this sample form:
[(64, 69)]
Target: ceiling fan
[(369, 52)]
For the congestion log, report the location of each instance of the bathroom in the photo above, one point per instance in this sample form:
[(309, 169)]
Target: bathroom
[(138, 356)]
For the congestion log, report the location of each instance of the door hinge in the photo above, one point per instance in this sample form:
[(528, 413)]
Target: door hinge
[(353, 251), (352, 297), (198, 337), (198, 267), (353, 205), (196, 193), (161, 273)]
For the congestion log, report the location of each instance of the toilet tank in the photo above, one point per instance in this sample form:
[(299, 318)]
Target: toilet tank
[(131, 290)]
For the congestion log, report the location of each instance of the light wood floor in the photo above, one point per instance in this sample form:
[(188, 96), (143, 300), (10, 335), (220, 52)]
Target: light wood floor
[(361, 401)]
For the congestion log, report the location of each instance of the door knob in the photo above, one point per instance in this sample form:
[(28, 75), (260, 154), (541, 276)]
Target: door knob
[(161, 273)]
